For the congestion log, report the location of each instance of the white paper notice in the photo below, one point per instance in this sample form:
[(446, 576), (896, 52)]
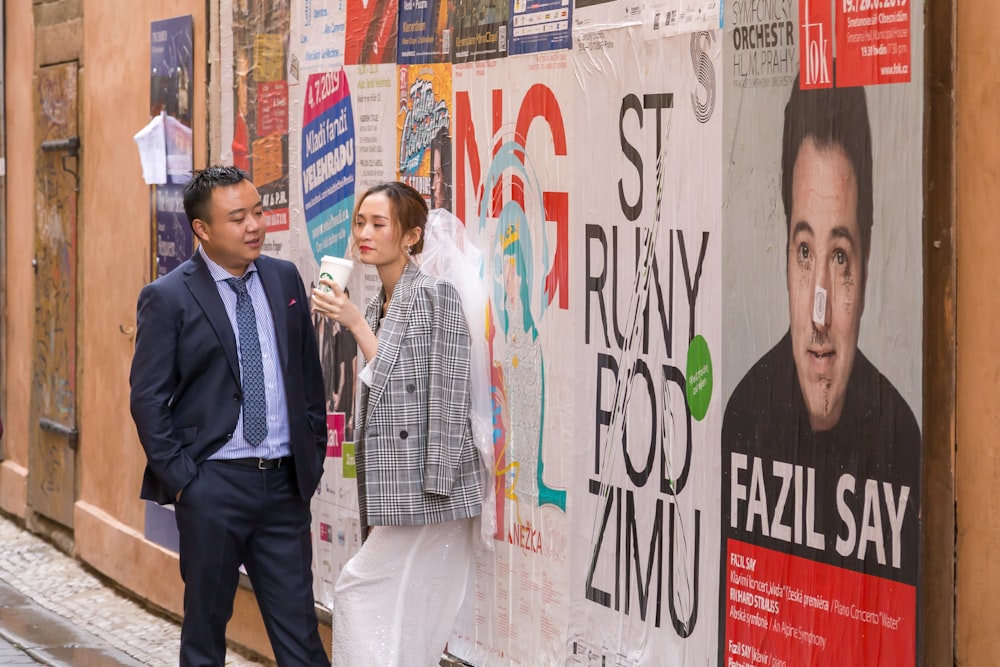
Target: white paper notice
[(153, 151)]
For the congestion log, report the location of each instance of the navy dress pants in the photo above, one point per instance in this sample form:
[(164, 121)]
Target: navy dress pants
[(230, 515)]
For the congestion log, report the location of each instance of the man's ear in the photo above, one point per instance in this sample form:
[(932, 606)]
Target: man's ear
[(200, 228)]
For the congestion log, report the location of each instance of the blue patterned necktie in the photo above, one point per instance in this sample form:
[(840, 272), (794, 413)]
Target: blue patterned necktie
[(251, 365)]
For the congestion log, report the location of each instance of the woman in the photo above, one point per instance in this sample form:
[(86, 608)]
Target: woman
[(419, 475)]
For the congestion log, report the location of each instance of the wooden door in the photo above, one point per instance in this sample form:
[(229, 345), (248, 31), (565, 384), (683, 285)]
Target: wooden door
[(52, 448)]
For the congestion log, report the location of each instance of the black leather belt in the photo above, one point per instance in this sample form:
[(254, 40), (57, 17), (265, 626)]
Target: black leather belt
[(260, 464)]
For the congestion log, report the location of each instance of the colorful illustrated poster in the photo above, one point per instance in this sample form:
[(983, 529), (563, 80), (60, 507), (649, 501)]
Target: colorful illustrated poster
[(371, 32), (424, 32), (513, 172), (260, 113), (171, 93), (479, 29), (821, 443), (540, 25), (648, 266), (764, 49), (424, 121), (328, 156)]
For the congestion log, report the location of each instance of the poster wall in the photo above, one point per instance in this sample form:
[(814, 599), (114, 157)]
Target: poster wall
[(700, 258)]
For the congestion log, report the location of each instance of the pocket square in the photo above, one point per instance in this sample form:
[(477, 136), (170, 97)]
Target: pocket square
[(292, 302)]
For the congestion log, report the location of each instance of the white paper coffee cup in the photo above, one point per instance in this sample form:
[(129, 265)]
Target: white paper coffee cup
[(336, 269)]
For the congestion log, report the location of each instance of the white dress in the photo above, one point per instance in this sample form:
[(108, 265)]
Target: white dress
[(396, 601)]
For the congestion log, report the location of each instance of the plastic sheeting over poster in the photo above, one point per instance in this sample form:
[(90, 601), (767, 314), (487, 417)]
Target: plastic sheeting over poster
[(706, 384)]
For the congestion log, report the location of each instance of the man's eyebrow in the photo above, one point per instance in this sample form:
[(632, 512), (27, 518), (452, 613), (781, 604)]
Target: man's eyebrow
[(838, 232), (802, 226), (241, 211), (842, 232)]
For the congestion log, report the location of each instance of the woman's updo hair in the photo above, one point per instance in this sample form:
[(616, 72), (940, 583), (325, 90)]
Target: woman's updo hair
[(408, 209)]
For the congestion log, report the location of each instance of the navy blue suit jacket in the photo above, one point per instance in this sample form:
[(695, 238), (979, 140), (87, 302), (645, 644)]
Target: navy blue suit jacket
[(185, 380)]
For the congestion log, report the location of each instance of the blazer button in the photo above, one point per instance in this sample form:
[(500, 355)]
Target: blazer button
[(229, 436), (411, 388), (236, 397), (403, 435)]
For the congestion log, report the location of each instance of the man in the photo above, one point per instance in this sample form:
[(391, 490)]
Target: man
[(240, 459), (820, 453)]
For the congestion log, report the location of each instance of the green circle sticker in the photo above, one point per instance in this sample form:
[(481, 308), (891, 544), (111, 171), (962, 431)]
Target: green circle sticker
[(699, 377)]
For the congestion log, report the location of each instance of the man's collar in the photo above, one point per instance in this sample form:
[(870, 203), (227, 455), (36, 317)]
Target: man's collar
[(219, 274)]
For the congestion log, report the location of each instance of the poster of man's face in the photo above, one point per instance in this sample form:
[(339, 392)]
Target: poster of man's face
[(822, 354), (759, 250), (825, 278)]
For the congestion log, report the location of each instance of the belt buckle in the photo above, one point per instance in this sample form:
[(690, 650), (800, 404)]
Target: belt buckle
[(262, 465)]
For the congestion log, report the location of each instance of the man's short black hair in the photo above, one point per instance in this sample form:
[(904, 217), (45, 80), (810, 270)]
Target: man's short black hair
[(198, 191), (831, 117)]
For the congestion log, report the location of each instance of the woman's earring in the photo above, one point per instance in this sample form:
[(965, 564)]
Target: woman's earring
[(409, 251)]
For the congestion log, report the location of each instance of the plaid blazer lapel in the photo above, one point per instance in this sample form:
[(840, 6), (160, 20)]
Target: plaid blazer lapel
[(390, 336)]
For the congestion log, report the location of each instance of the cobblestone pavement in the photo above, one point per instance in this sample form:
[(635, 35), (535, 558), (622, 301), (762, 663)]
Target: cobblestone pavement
[(63, 615)]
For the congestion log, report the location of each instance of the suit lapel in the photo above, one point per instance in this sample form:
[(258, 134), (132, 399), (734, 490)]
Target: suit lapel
[(203, 289), (390, 336), (271, 281)]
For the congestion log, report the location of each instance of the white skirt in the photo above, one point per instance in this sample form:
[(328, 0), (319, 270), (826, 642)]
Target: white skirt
[(396, 600)]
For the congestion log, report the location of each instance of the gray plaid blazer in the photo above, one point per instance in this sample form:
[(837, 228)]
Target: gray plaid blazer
[(416, 459)]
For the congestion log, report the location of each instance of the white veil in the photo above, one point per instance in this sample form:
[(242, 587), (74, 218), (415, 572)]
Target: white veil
[(448, 254)]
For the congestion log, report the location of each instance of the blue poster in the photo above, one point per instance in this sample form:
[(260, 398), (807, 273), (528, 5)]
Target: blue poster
[(172, 94), (424, 32), (171, 67), (328, 165), (174, 241), (540, 25)]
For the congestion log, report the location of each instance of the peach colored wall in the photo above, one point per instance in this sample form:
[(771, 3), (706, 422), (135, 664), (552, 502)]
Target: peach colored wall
[(115, 250), (20, 316), (115, 243), (978, 362)]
